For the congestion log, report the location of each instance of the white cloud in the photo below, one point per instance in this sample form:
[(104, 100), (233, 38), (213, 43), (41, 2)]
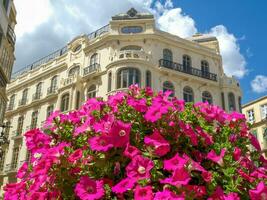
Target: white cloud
[(31, 14), (234, 62), (259, 84), (45, 25), (175, 22)]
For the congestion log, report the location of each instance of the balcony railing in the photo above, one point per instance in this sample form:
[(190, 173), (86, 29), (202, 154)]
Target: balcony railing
[(51, 90), (68, 81), (23, 102), (187, 70), (90, 69), (11, 35), (36, 96)]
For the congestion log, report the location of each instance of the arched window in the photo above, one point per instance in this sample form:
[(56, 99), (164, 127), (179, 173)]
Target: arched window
[(168, 86), (205, 68), (25, 94), (23, 100), (231, 101), (38, 91), (20, 125), (148, 78), (54, 82), (131, 47), (109, 81), (187, 62), (11, 102), (167, 54), (127, 77), (74, 71), (188, 94), (91, 92), (206, 97), (94, 59), (53, 86), (49, 110), (34, 119), (65, 102)]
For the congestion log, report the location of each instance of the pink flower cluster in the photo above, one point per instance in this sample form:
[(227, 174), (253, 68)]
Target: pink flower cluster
[(144, 146)]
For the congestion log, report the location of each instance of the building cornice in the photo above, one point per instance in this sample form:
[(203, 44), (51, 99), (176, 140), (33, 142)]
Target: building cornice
[(254, 101), (31, 79)]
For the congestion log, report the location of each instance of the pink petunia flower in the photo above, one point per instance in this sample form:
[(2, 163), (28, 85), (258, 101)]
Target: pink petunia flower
[(207, 176), (160, 145), (139, 168), (120, 133), (22, 170), (196, 191), (124, 185), (175, 162), (237, 153), (231, 196), (87, 188), (259, 193), (143, 193), (167, 195), (84, 127), (75, 156), (131, 151), (216, 158), (100, 143), (180, 177), (138, 104)]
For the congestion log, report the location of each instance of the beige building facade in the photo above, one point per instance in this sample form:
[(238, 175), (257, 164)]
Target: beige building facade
[(256, 114), (129, 50), (7, 46)]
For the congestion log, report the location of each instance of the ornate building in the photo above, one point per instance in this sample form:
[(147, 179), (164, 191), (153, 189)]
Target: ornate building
[(129, 50), (256, 114), (7, 46)]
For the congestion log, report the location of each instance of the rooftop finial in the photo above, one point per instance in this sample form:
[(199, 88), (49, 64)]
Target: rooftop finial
[(132, 12)]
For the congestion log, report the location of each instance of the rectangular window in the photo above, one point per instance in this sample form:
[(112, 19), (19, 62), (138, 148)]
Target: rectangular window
[(223, 101), (50, 109), (264, 111), (34, 119), (2, 161), (15, 157), (264, 131), (251, 116)]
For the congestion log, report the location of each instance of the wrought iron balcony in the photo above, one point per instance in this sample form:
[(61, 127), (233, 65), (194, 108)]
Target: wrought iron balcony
[(90, 69), (23, 102), (36, 96), (11, 35), (51, 90), (187, 70)]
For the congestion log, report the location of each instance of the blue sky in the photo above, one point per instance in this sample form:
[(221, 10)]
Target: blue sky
[(246, 19), (46, 25)]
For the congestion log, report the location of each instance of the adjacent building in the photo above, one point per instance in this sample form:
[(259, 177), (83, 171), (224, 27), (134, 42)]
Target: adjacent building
[(129, 50), (256, 114), (7, 46)]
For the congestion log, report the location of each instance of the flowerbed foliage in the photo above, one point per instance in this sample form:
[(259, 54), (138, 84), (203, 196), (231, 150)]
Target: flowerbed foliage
[(141, 145)]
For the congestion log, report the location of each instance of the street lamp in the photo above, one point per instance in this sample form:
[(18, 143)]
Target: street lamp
[(3, 139)]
